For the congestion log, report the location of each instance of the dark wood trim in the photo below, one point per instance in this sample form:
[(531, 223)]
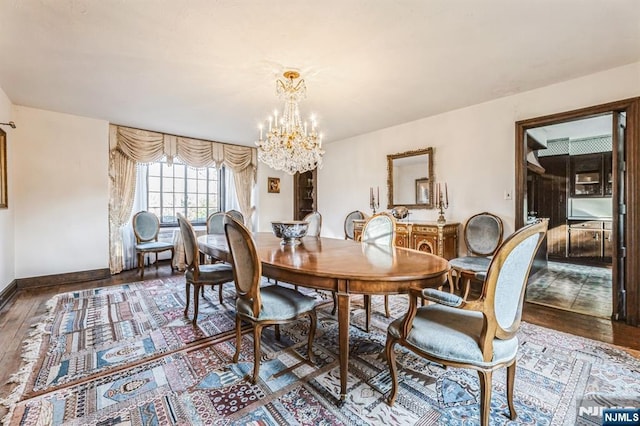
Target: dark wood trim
[(61, 279), (632, 195), (8, 293)]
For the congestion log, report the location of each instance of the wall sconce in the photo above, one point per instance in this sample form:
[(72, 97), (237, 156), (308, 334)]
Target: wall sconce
[(10, 124)]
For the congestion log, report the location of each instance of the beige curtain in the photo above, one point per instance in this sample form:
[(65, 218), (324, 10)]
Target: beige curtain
[(130, 146)]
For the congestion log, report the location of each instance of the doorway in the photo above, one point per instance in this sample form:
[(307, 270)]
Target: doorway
[(591, 225), (569, 183)]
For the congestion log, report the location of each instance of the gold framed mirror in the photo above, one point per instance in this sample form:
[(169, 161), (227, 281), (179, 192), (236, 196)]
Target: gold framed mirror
[(410, 179)]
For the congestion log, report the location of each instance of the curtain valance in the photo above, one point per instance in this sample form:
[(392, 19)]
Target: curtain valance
[(144, 146)]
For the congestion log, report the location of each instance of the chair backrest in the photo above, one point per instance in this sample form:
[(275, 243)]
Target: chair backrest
[(247, 269), (236, 215), (380, 229), (315, 224), (348, 223), (483, 234), (191, 251), (215, 223), (145, 226), (504, 287)]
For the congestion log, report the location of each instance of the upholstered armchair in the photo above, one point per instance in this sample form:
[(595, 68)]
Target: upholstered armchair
[(348, 223), (197, 275), (479, 335), (146, 227), (261, 306), (315, 224), (482, 235)]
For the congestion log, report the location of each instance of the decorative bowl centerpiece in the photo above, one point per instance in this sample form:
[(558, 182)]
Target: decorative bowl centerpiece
[(290, 231), (400, 212)]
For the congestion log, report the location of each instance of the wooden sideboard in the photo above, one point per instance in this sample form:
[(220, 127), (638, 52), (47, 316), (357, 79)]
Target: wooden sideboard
[(424, 236)]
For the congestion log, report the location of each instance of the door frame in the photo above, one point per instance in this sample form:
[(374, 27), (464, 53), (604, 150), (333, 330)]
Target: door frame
[(632, 189)]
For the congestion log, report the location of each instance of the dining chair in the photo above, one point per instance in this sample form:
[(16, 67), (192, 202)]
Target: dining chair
[(482, 235), (479, 335), (348, 223), (315, 224), (262, 306), (146, 227), (236, 215), (215, 223), (379, 229), (200, 275)]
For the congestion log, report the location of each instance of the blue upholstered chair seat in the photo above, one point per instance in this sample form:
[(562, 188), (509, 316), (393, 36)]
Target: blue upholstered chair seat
[(215, 272), (470, 263), (454, 335), (278, 303), (153, 246)]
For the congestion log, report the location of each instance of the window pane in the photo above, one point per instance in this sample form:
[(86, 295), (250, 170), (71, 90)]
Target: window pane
[(168, 215), (167, 184), (192, 185), (179, 199), (154, 210), (192, 214), (202, 200), (167, 199), (178, 170), (167, 170), (202, 173), (192, 173), (154, 169), (154, 183), (154, 199), (178, 184), (202, 186)]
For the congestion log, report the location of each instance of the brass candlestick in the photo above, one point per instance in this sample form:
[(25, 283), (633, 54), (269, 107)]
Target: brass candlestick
[(442, 202)]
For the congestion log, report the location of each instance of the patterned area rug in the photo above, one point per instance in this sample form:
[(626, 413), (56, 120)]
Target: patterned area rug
[(126, 355)]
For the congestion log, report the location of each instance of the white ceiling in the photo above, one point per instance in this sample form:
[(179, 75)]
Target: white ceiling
[(208, 68)]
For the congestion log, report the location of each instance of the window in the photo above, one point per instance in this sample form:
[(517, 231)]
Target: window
[(196, 193)]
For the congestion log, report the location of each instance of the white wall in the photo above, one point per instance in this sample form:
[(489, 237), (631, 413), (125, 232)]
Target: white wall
[(474, 150), (7, 258), (60, 193), (272, 206)]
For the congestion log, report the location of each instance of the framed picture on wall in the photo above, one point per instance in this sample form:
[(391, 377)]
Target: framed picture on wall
[(422, 191), (273, 185), (4, 202)]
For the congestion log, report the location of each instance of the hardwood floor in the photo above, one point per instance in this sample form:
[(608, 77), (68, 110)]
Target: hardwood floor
[(28, 307)]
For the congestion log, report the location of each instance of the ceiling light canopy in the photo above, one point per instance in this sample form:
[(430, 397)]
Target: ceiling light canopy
[(291, 145)]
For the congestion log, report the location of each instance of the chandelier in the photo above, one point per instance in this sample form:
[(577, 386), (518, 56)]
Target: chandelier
[(290, 145)]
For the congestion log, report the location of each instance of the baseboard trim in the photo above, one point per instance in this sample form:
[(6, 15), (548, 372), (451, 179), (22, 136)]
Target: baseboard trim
[(60, 279), (8, 293)]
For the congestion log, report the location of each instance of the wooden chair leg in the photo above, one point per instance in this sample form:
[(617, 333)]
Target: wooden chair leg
[(387, 312), (511, 377), (312, 332), (156, 260), (196, 301), (141, 264), (187, 298), (393, 368), (277, 332), (335, 302), (367, 312), (236, 356), (257, 334), (485, 396), (220, 293)]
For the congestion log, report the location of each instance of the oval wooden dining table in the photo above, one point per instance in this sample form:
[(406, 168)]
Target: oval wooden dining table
[(345, 267)]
